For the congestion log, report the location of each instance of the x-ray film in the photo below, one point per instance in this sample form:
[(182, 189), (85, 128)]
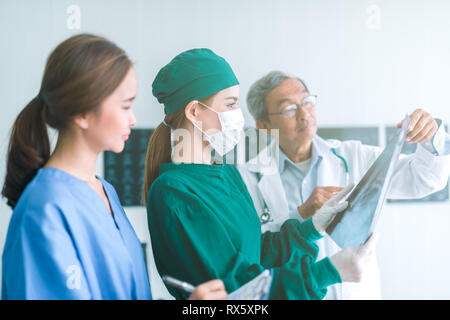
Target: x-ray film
[(351, 227)]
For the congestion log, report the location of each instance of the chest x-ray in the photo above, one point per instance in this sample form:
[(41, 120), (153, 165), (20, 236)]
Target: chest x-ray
[(351, 227)]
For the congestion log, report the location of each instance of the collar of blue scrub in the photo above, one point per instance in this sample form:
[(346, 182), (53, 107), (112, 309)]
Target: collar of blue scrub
[(317, 153)]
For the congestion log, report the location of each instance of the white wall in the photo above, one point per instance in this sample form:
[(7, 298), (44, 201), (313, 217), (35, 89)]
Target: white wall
[(370, 62)]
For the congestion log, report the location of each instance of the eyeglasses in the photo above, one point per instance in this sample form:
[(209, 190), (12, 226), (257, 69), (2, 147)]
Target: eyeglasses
[(291, 110)]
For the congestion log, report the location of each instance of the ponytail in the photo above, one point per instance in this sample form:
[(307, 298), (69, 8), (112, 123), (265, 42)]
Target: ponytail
[(159, 149), (158, 152), (28, 150)]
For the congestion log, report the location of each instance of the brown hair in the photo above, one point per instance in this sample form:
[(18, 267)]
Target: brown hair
[(159, 149), (79, 74)]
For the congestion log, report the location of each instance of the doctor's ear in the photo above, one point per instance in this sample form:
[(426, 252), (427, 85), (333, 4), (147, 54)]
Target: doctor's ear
[(191, 110), (263, 124)]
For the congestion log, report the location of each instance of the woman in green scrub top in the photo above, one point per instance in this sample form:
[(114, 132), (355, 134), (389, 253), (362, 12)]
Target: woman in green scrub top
[(202, 221)]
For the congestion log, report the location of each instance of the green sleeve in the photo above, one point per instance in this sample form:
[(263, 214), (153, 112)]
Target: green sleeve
[(301, 278), (277, 246), (293, 249)]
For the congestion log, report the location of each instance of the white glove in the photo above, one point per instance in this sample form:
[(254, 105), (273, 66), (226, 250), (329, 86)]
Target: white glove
[(351, 262), (323, 217)]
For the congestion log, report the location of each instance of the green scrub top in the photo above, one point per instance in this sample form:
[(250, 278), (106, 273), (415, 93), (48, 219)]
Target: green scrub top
[(204, 226)]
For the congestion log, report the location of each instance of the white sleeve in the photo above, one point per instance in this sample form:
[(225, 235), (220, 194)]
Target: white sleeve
[(416, 176), (419, 175), (439, 143)]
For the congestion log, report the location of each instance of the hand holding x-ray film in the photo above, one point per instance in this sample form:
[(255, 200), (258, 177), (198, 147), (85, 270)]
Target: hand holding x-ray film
[(323, 217), (351, 227)]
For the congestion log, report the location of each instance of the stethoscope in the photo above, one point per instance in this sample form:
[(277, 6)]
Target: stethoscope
[(347, 173), (266, 215)]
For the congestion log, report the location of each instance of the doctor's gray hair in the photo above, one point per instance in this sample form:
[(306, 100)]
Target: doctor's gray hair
[(261, 88)]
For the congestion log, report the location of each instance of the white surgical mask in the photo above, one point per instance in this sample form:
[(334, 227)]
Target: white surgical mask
[(232, 123)]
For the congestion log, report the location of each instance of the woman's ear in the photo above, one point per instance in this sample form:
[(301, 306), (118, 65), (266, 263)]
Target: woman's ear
[(191, 111), (82, 121)]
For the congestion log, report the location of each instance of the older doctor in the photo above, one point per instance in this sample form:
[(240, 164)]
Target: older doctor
[(295, 178)]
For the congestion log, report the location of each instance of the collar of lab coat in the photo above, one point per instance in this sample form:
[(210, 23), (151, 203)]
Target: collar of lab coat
[(266, 161), (272, 157)]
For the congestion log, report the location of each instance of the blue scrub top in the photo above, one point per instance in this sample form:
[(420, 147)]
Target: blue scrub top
[(63, 243)]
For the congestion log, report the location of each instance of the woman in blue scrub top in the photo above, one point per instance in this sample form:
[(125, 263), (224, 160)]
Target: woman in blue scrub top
[(69, 237)]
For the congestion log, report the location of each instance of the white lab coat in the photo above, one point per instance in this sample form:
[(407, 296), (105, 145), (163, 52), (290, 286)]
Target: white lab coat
[(417, 175)]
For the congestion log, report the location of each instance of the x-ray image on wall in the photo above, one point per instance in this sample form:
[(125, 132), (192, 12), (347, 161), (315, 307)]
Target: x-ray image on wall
[(125, 170)]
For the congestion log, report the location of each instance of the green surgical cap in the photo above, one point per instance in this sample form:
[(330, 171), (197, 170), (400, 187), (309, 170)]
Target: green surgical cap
[(191, 75)]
